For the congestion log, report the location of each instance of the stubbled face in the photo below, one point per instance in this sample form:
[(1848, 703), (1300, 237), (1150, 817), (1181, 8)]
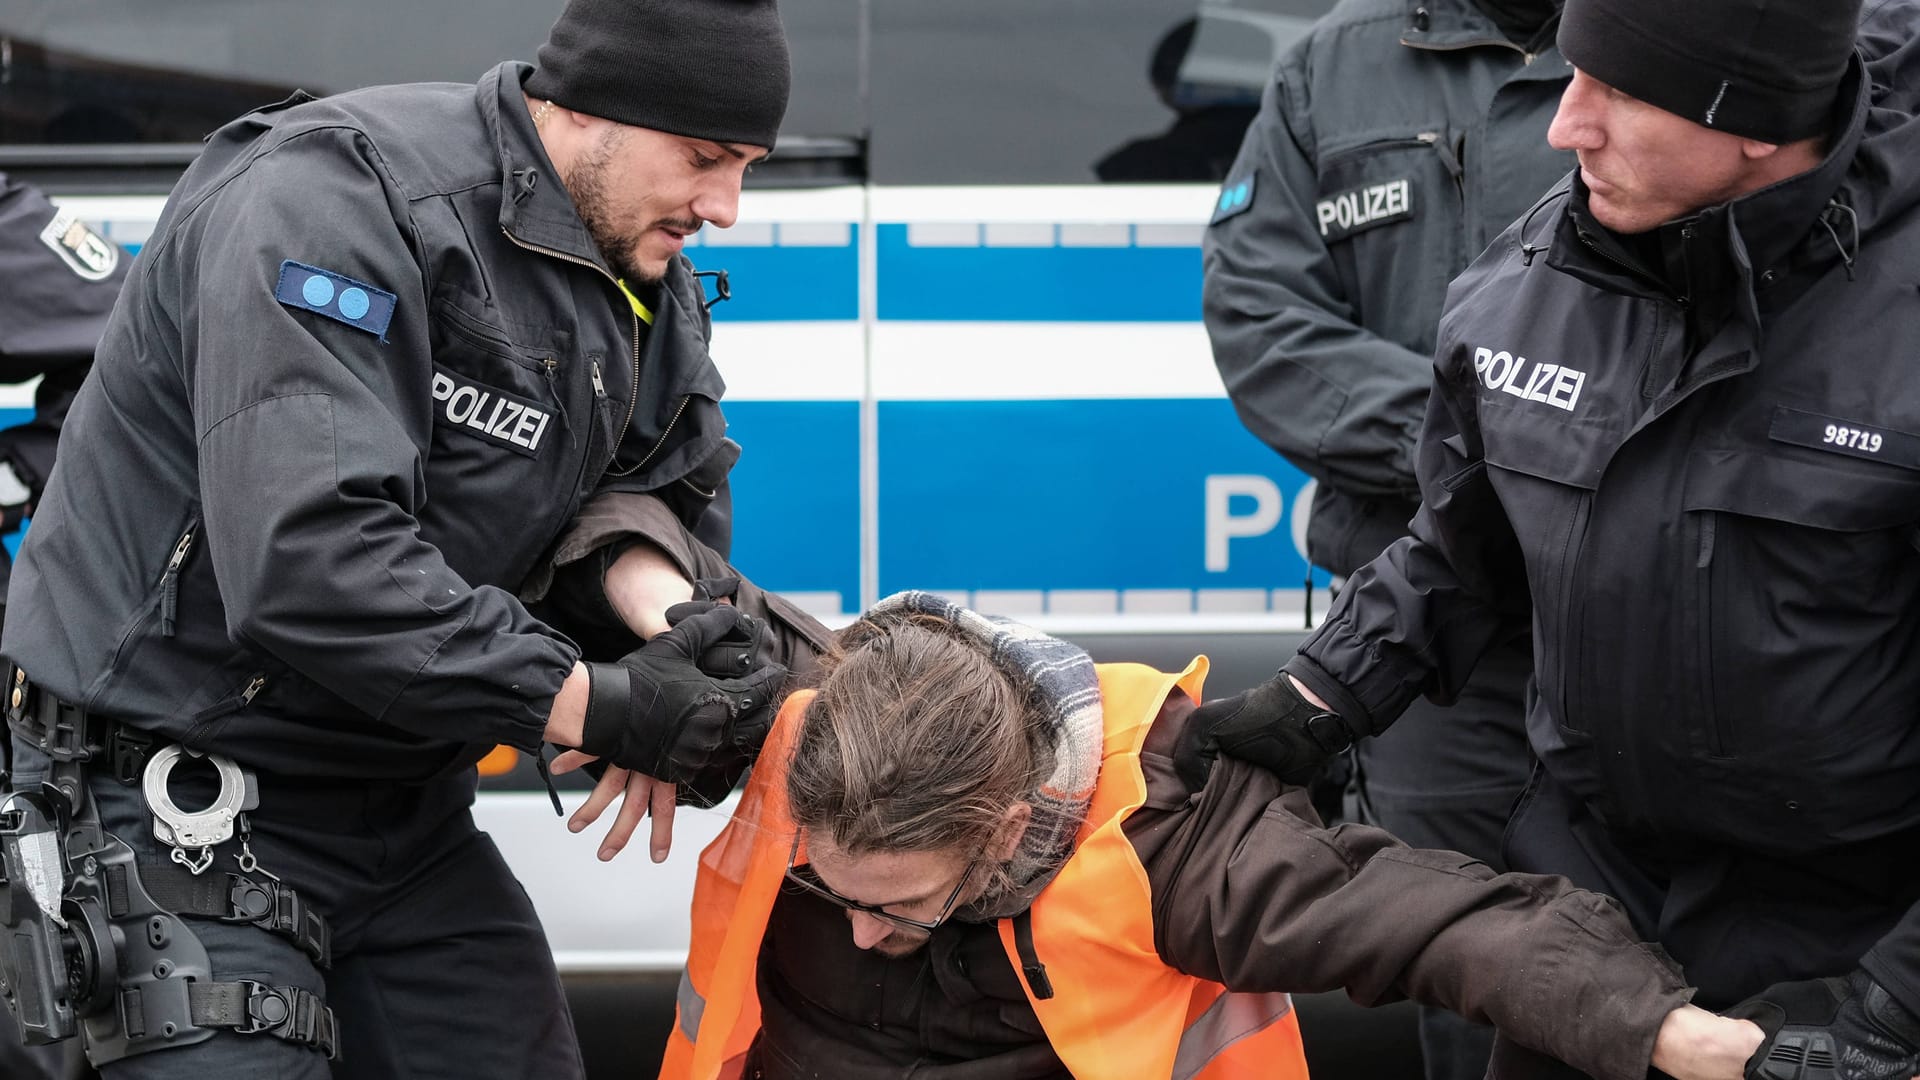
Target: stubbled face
[(1644, 166), (641, 193), (914, 884)]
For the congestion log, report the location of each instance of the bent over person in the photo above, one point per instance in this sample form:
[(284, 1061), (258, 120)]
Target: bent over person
[(379, 352), (970, 855), (1675, 429)]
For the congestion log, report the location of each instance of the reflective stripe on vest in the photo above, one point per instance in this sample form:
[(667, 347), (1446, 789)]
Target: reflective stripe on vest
[(690, 1007), (1229, 1019)]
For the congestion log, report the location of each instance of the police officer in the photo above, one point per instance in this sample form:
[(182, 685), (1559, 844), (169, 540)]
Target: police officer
[(380, 351), (60, 280), (1394, 142), (1672, 428)]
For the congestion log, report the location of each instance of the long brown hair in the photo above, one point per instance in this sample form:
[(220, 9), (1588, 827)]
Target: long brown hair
[(916, 742)]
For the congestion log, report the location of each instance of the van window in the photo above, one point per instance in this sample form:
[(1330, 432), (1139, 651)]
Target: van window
[(1071, 91), (133, 73)]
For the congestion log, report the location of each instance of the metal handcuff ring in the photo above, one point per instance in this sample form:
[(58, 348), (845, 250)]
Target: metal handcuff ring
[(201, 829)]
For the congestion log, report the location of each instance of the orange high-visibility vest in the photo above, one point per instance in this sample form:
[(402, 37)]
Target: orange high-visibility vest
[(1116, 1011)]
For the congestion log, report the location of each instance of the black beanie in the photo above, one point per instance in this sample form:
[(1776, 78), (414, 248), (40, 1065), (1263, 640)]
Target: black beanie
[(1761, 69), (706, 69)]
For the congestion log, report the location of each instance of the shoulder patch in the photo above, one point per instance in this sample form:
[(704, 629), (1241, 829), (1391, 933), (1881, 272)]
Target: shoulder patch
[(323, 292), (85, 252), (1235, 198)]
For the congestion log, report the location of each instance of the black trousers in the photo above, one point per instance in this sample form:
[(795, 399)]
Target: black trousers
[(1447, 778), (440, 968)]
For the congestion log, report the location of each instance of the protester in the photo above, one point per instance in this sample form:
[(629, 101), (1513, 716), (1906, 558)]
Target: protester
[(969, 854)]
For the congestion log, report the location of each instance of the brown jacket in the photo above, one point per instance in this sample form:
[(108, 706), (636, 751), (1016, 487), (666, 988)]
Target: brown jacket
[(1251, 891), (571, 579)]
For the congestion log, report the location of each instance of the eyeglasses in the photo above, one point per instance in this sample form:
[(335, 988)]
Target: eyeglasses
[(802, 875)]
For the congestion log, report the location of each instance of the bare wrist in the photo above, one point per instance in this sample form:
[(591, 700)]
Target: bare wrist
[(567, 717), (1313, 699), (641, 585), (1694, 1044)]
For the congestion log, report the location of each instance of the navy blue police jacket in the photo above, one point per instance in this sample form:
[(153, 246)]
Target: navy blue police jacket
[(367, 369), (1692, 466), (1392, 144)]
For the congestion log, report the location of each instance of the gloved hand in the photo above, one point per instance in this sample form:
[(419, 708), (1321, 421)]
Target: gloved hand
[(1271, 725), (1842, 1028), (658, 712)]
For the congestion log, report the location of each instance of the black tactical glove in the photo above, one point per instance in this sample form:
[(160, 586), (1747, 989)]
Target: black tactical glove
[(688, 701), (1271, 726), (1842, 1028)]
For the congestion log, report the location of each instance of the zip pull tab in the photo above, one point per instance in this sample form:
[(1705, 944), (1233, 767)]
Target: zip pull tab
[(253, 689), (540, 766), (1448, 159), (170, 584), (599, 388)]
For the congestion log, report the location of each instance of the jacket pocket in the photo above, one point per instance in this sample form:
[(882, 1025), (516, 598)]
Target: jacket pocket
[(158, 612), (1803, 576), (1389, 210)]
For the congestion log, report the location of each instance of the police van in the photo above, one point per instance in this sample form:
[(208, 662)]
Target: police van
[(963, 347)]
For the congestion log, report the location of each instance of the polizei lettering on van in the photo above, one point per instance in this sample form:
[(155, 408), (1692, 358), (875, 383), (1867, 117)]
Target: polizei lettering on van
[(1349, 212), (1527, 379), (484, 412)]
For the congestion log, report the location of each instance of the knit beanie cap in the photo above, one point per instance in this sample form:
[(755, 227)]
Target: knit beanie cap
[(705, 69), (1760, 69)]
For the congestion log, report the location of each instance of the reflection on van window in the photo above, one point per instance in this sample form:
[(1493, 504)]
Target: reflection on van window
[(136, 71), (1204, 137), (1067, 92)]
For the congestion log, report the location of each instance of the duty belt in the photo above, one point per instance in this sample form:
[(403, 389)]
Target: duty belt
[(71, 735)]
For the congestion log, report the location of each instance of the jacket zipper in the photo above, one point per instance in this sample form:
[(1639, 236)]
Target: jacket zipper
[(170, 584), (1719, 733), (633, 399), (204, 722), (662, 441), (1571, 660)]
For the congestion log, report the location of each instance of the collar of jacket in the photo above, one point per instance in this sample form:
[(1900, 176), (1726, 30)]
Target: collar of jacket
[(1446, 25), (534, 205), (1721, 251)]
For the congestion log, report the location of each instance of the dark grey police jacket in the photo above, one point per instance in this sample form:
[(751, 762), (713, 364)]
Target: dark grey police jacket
[(365, 372), (1694, 464), (1395, 140)]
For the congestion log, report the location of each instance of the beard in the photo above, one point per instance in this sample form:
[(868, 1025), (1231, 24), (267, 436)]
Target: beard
[(587, 184), (901, 943)]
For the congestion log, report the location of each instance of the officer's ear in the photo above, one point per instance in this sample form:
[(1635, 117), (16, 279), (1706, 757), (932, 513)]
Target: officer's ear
[(1006, 838)]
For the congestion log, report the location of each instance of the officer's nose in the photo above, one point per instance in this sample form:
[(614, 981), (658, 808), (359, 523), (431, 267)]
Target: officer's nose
[(867, 930), (719, 200), (1576, 124)]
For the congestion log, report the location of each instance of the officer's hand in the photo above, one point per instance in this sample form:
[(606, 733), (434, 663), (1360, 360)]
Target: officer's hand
[(659, 713), (1841, 1028), (1272, 726)]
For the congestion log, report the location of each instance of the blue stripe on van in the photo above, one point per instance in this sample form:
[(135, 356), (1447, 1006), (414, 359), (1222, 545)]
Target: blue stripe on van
[(785, 284), (9, 418), (1105, 494), (1035, 284), (796, 495)]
